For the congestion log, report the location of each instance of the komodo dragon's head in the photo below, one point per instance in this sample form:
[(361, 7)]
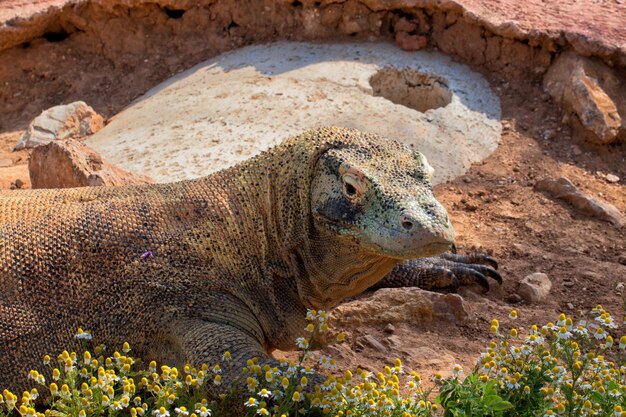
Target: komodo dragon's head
[(379, 195), (350, 205)]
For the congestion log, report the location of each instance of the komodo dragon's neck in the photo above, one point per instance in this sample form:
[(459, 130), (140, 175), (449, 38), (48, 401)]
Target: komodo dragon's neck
[(330, 270), (325, 267)]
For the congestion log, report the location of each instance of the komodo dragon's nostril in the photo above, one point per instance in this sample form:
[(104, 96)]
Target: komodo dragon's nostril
[(406, 222)]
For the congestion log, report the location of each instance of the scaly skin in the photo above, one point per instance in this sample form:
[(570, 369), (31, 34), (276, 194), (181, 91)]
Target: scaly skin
[(187, 270)]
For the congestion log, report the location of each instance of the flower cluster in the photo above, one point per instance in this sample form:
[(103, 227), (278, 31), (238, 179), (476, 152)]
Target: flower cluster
[(94, 385), (295, 388), (560, 369)]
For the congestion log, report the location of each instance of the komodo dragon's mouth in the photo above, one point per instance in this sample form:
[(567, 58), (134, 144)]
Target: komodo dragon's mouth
[(423, 251), (396, 236)]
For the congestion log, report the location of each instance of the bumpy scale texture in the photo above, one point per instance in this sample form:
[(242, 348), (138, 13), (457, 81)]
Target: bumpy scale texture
[(188, 270)]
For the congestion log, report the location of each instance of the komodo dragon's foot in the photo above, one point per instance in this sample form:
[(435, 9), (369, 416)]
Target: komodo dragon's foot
[(446, 271)]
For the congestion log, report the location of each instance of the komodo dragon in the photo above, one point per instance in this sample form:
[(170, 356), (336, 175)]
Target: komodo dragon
[(187, 270)]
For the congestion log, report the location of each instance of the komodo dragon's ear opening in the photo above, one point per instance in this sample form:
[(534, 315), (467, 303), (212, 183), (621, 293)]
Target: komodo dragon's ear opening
[(419, 157), (319, 152)]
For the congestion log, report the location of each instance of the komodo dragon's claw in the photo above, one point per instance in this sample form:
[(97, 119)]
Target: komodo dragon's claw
[(446, 271), (474, 273), (473, 268), (472, 258)]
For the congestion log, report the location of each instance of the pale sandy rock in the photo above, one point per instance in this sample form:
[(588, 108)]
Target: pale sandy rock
[(595, 109), (65, 164), (61, 122), (592, 91), (399, 305), (431, 358), (394, 342), (238, 104), (612, 178), (534, 287), (562, 188)]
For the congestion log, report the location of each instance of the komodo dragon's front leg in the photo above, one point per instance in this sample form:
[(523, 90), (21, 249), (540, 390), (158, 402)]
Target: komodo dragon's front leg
[(443, 271), (215, 323), (206, 342)]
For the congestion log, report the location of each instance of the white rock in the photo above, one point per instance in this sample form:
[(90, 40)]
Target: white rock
[(534, 287), (612, 178), (61, 122)]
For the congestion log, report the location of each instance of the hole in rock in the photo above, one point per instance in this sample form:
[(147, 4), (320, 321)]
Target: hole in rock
[(56, 36), (411, 88), (174, 13)]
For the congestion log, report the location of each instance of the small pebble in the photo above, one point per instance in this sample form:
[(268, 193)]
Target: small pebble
[(549, 134), (612, 178), (371, 341), (389, 328)]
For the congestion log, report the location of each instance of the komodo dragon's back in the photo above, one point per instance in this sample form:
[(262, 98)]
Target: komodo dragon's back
[(184, 271), (91, 257), (118, 261)]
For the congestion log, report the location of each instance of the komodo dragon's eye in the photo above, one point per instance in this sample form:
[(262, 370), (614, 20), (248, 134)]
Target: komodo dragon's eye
[(353, 184), (349, 187)]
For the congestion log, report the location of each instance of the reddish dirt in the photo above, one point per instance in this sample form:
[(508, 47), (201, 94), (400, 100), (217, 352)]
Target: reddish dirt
[(494, 207), (589, 24), (599, 22)]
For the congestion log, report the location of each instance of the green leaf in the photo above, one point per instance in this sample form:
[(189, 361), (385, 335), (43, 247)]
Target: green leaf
[(501, 405), (489, 400)]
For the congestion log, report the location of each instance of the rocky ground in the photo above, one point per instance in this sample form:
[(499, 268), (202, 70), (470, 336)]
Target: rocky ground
[(495, 207)]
